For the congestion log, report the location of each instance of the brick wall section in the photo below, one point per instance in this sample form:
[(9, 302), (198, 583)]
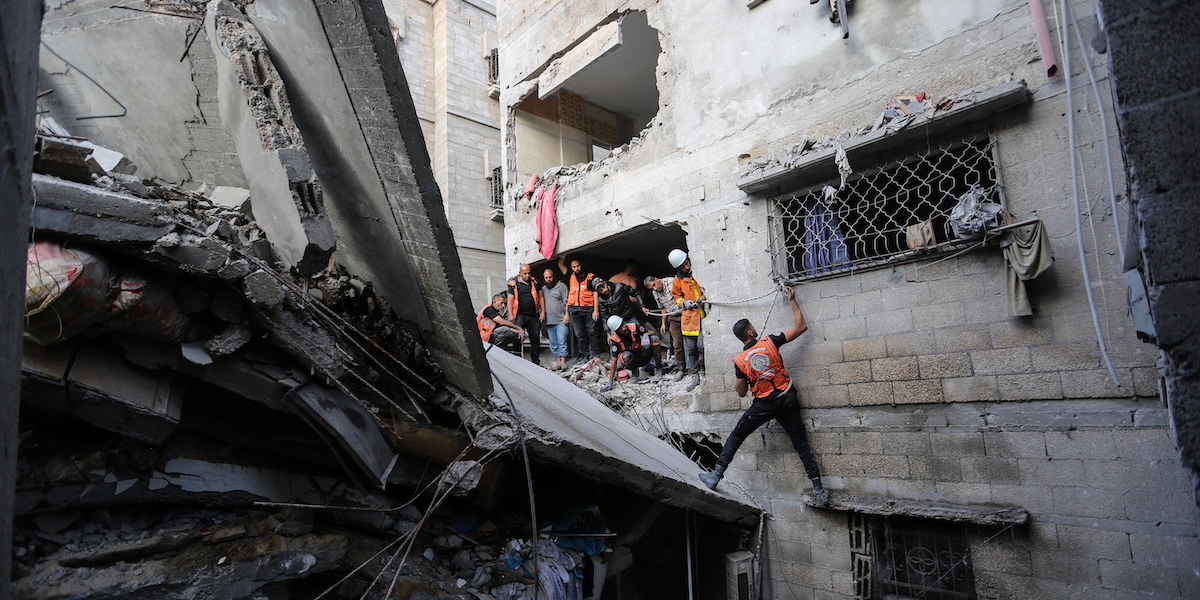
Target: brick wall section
[(359, 35), (1156, 98), (915, 381), (213, 157)]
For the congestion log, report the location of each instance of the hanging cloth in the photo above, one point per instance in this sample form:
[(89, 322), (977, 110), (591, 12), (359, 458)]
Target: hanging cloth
[(1028, 253), (824, 245), (547, 223)]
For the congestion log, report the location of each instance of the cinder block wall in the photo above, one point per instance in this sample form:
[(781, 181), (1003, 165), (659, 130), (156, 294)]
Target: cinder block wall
[(915, 381)]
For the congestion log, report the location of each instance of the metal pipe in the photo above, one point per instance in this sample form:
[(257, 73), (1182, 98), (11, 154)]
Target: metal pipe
[(1043, 35)]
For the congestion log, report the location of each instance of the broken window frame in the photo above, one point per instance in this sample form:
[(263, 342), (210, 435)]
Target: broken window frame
[(497, 188), (493, 66), (787, 241)]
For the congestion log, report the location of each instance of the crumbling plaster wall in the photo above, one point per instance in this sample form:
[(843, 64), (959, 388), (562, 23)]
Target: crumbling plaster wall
[(915, 382), (19, 25)]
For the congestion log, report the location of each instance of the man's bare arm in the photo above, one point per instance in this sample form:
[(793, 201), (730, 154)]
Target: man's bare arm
[(801, 326)]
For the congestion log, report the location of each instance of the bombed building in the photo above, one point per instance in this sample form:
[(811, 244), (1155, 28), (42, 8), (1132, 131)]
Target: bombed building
[(995, 375)]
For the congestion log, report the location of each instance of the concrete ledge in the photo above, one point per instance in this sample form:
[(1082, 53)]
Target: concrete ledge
[(820, 164), (942, 511)]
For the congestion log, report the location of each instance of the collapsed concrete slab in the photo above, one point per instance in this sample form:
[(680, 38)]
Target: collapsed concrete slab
[(349, 96), (287, 197), (567, 426)]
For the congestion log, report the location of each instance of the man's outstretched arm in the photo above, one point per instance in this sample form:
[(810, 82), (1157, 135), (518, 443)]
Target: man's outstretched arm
[(800, 325)]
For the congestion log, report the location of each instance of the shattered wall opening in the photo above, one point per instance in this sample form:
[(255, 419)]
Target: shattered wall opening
[(594, 99), (648, 243)]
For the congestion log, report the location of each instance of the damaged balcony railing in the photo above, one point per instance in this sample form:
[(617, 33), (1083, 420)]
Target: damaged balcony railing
[(891, 213)]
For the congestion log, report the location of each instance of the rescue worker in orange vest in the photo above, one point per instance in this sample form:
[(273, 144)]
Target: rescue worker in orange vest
[(759, 370), (581, 300), (527, 310), (634, 348), (690, 297), (495, 329)]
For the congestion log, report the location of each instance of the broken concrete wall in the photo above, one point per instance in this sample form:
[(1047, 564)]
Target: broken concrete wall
[(287, 199), (1157, 113), (351, 100), (930, 341), (18, 92)]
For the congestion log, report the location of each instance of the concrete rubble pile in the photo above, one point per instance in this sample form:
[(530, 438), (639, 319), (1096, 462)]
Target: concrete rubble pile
[(200, 421)]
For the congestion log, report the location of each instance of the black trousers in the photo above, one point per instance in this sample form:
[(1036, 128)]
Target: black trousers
[(533, 329), (587, 338), (786, 410)]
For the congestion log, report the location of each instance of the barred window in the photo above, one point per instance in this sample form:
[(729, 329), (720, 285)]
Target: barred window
[(908, 558), (497, 187), (493, 61), (888, 214)]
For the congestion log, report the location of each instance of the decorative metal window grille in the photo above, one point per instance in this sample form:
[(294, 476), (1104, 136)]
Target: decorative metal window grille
[(493, 61), (497, 187), (893, 213), (895, 558)]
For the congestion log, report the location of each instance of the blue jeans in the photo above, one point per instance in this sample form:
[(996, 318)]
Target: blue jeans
[(558, 338)]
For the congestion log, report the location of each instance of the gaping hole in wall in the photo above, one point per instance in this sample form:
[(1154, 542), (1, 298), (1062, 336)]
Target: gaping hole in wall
[(647, 244), (597, 108)]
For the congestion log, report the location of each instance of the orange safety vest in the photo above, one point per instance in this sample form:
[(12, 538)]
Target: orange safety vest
[(763, 367), (515, 302), (486, 326), (686, 288), (634, 334), (578, 294)]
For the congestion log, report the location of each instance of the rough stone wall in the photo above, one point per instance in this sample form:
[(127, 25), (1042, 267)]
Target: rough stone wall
[(915, 381), (1156, 97), (19, 25)]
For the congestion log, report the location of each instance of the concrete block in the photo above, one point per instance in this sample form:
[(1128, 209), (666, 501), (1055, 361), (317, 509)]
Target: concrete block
[(1134, 577), (892, 369), (910, 344), (936, 366), (825, 396), (1048, 471), (947, 314), (958, 444), (964, 493), (1068, 568), (1070, 356), (1087, 445), (1095, 383), (1093, 542), (862, 442), (1033, 386), (917, 392), (1015, 444), (1002, 361), (850, 372), (970, 389), (1165, 550), (961, 339), (1087, 502), (911, 444), (889, 322), (990, 469), (1144, 443), (934, 468), (1159, 506), (870, 394), (1034, 498), (864, 348), (1165, 230)]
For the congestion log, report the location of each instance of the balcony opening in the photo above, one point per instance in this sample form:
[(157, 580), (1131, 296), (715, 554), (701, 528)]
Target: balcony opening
[(597, 97)]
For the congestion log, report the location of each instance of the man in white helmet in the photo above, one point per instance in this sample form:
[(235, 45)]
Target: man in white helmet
[(634, 348), (688, 295)]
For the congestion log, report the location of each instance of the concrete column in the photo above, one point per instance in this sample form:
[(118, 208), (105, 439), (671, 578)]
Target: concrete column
[(20, 22)]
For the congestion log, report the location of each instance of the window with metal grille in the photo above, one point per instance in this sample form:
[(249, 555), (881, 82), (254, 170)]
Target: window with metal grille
[(493, 61), (895, 558), (497, 187), (889, 214)]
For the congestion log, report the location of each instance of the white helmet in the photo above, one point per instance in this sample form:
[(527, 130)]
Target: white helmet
[(676, 257), (614, 323)]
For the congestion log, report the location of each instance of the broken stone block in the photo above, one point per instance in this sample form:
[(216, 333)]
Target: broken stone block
[(262, 289), (288, 200), (231, 197), (230, 340), (114, 396), (61, 158)]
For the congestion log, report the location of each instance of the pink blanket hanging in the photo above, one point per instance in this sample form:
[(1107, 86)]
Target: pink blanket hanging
[(547, 223)]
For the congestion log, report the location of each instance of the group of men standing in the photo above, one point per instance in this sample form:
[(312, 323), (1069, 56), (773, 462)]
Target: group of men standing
[(575, 301)]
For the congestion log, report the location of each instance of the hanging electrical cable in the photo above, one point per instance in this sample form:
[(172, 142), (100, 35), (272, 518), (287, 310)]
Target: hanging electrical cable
[(1087, 280)]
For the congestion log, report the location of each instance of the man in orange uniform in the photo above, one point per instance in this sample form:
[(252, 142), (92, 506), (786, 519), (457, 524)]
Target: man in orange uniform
[(495, 329), (759, 370), (688, 296), (580, 302), (527, 309)]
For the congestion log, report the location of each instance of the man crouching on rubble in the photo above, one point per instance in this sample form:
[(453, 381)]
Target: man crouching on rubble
[(759, 369)]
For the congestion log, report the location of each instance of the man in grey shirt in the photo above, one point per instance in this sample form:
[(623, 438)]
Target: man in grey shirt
[(671, 317), (557, 321)]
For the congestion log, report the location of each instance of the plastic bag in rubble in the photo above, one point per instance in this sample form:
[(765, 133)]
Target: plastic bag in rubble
[(145, 309), (973, 214), (66, 290)]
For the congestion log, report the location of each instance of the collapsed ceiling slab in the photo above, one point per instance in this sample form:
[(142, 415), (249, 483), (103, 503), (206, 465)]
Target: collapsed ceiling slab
[(567, 426)]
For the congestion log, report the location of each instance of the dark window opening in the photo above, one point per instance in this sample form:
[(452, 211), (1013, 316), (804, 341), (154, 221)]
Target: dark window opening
[(497, 185), (493, 61), (897, 558), (893, 213)]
